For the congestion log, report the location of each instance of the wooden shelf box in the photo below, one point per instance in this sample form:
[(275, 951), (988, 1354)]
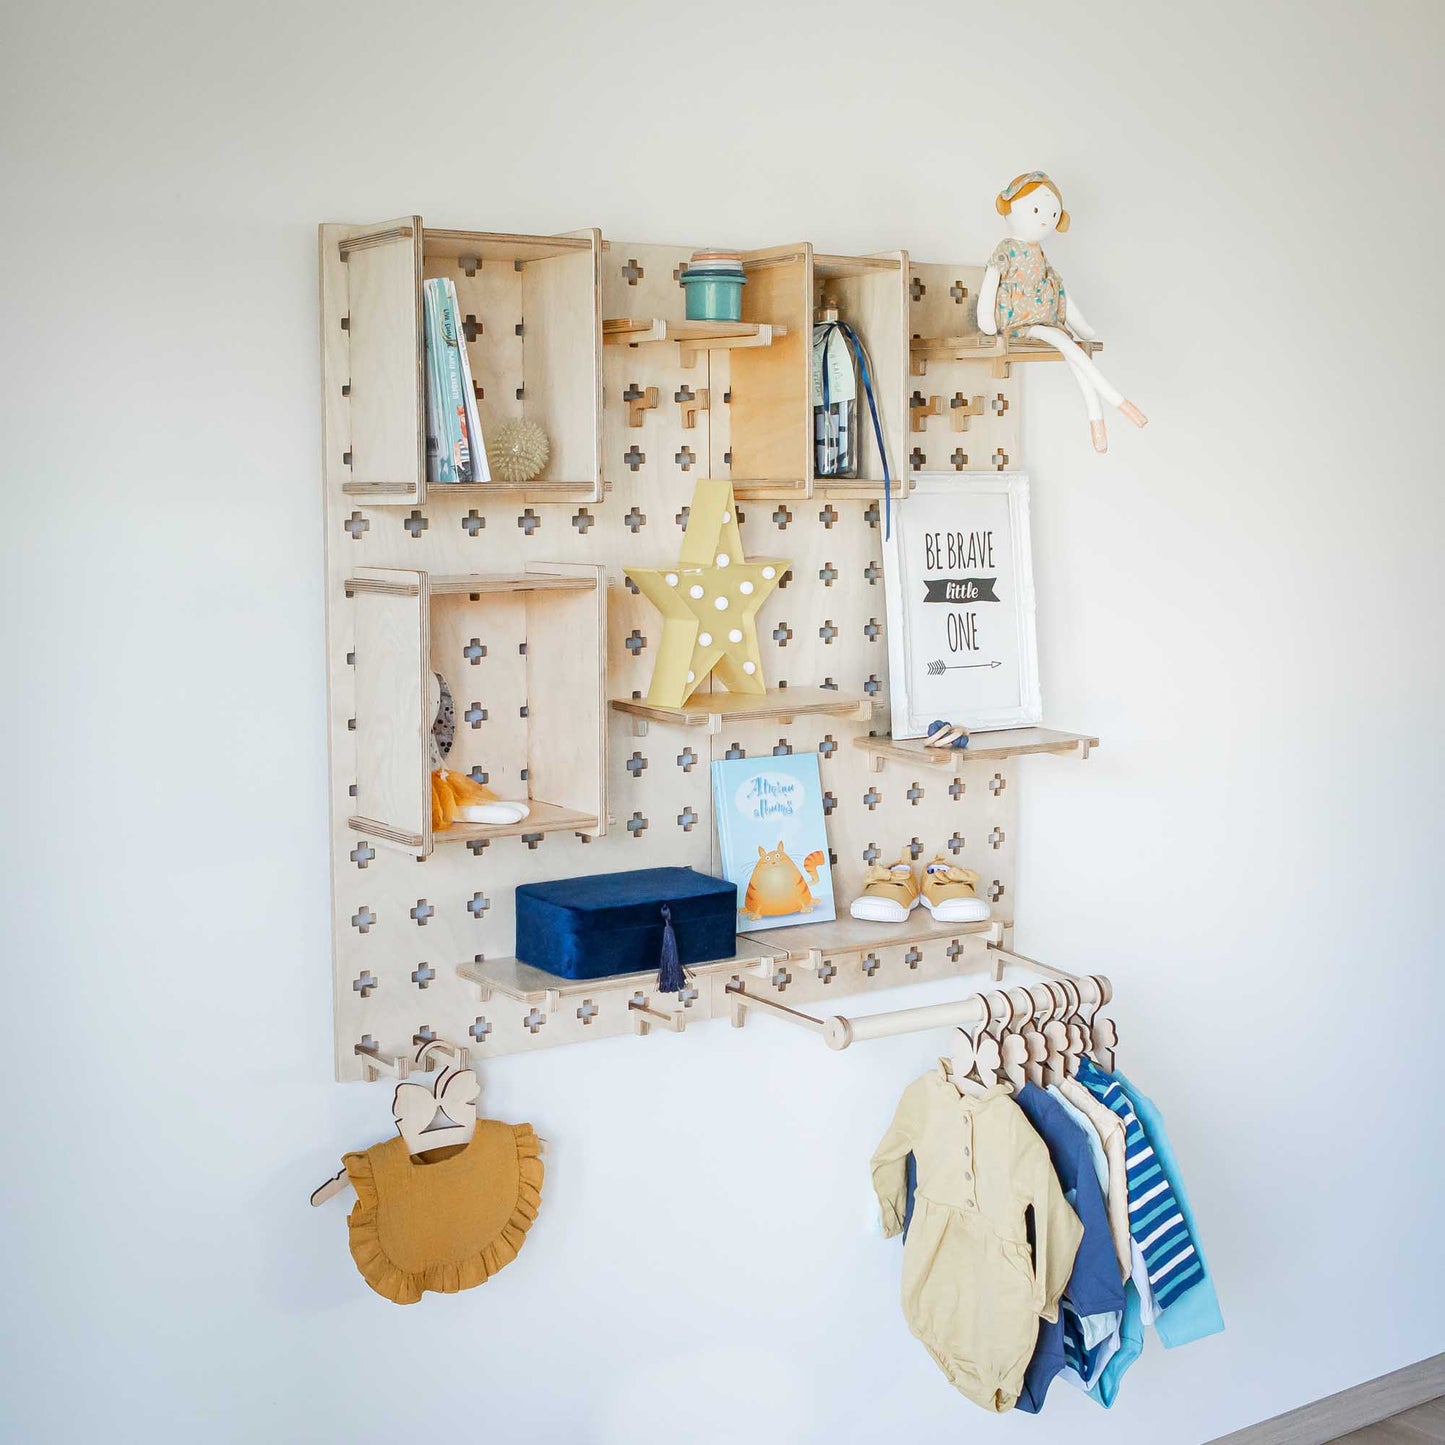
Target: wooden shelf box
[(523, 654), (531, 318)]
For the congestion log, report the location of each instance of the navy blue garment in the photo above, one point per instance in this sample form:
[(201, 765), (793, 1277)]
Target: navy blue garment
[(1094, 1287)]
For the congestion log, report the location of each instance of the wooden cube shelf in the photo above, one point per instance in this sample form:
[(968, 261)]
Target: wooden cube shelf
[(524, 656), (531, 322)]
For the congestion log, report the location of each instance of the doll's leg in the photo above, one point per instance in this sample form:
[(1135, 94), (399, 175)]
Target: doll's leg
[(1072, 352), (1092, 405)]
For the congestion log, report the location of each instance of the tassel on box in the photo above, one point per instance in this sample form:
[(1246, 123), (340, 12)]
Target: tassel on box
[(670, 975)]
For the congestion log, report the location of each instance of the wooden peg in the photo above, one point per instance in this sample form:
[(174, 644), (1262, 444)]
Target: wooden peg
[(638, 404), (374, 1064), (963, 409), (645, 1019), (921, 409), (691, 407)]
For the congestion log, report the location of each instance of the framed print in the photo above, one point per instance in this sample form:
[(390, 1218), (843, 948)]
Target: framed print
[(960, 593)]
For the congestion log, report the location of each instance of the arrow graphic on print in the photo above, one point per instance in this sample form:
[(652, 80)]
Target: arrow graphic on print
[(934, 668)]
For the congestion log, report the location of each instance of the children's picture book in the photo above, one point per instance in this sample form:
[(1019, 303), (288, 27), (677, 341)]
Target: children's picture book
[(455, 452), (773, 843)]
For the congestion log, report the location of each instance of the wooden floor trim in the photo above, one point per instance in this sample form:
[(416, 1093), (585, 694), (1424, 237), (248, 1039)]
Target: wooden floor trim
[(1352, 1409)]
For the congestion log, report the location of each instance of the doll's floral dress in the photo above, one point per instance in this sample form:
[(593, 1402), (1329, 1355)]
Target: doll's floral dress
[(1030, 291)]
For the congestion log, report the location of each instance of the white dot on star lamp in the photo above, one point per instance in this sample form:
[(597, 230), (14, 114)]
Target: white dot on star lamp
[(705, 638), (721, 604), (691, 676), (723, 559), (746, 588), (672, 579), (750, 668), (735, 635), (770, 573), (694, 591)]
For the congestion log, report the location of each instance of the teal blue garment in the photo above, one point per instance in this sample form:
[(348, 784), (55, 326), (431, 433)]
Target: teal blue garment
[(1105, 1390), (1195, 1314)]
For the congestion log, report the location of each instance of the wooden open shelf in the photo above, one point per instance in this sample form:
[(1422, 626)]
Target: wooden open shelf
[(982, 747), (711, 710), (979, 346), (528, 727), (808, 944), (691, 336)]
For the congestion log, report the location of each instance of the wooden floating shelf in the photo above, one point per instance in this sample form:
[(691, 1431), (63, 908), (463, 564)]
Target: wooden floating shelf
[(690, 336), (473, 491), (982, 747), (477, 584), (711, 710), (543, 818), (979, 346), (514, 979), (808, 944)]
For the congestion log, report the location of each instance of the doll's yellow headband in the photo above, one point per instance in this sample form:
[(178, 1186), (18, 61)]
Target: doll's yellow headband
[(1024, 185)]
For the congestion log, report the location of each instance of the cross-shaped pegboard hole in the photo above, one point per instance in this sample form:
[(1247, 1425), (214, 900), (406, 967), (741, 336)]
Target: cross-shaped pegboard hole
[(827, 574), (871, 854), (828, 746), (582, 519), (781, 978), (784, 749), (477, 905), (917, 459), (635, 521), (534, 1020), (687, 760), (872, 515), (475, 651), (872, 629), (872, 573), (351, 659), (957, 788), (827, 631), (828, 516), (913, 957), (423, 974), (727, 462), (475, 715), (959, 459), (687, 995), (828, 684), (632, 273), (734, 752), (995, 891), (362, 919), (480, 1030), (917, 400), (996, 838), (473, 522), (684, 393), (587, 1011), (365, 984), (637, 825), (421, 912), (529, 521), (914, 794), (826, 971), (682, 518), (781, 633), (362, 854), (636, 765), (871, 799), (685, 458), (634, 642), (355, 525), (524, 711), (687, 819), (416, 524), (997, 784), (471, 327), (959, 292), (634, 457), (477, 846), (954, 950), (478, 775), (785, 578), (956, 843), (998, 404), (914, 849), (633, 392), (781, 517), (829, 803), (871, 964), (999, 459), (916, 289)]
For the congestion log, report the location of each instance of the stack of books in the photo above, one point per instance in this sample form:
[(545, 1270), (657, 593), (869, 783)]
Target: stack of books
[(455, 451)]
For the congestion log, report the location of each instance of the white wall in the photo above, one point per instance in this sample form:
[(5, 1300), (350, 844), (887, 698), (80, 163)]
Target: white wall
[(1243, 600)]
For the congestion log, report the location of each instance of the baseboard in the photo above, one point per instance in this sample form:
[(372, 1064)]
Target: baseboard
[(1353, 1409)]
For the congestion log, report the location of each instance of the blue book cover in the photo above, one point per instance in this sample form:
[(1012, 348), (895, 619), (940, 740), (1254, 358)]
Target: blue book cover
[(772, 839)]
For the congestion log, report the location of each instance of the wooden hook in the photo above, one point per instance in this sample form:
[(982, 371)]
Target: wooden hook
[(691, 407), (919, 411), (963, 409), (639, 404)]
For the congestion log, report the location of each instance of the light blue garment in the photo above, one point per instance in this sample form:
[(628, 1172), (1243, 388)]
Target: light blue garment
[(1105, 1388), (1096, 1147), (1195, 1314)]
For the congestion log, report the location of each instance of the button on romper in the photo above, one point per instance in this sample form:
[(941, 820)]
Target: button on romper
[(972, 1293)]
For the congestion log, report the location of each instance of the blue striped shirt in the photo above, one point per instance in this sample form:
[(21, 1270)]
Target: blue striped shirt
[(1156, 1222)]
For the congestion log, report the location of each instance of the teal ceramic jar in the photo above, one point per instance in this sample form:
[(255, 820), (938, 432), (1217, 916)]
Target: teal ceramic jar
[(714, 295)]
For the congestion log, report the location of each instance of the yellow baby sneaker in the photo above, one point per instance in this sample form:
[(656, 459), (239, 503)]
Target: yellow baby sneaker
[(889, 894), (948, 893)]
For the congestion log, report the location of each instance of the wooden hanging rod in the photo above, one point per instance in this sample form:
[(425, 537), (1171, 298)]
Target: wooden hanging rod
[(839, 1032)]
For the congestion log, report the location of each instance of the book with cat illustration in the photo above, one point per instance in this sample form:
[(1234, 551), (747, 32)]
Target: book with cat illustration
[(772, 839)]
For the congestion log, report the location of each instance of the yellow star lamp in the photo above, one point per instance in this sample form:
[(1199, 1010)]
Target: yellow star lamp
[(709, 602)]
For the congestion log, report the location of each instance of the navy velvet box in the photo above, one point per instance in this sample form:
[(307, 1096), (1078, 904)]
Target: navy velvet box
[(611, 923)]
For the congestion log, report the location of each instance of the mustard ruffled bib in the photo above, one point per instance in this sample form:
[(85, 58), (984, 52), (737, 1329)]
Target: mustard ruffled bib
[(448, 1224)]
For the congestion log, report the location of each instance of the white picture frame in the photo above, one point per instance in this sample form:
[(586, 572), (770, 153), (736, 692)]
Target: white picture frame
[(959, 585)]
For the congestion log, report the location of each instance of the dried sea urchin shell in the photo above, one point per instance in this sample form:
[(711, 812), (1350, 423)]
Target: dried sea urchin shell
[(517, 451)]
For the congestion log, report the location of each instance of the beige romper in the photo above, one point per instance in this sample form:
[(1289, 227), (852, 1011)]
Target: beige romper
[(971, 1291)]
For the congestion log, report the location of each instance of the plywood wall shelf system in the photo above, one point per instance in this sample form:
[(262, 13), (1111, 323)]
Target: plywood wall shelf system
[(516, 596)]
